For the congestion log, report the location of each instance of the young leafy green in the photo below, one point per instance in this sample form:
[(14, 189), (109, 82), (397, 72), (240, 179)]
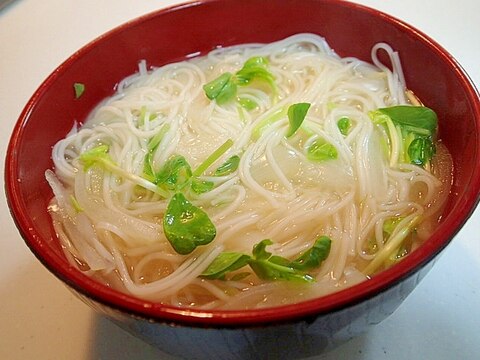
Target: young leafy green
[(201, 186), (344, 125), (79, 89), (228, 166), (321, 150), (224, 263), (421, 150), (260, 252), (279, 269), (418, 126), (296, 114), (99, 156), (224, 88), (96, 156), (418, 119), (255, 68), (269, 270), (314, 256), (148, 170), (247, 104), (221, 89), (153, 143), (175, 173), (270, 267), (186, 226)]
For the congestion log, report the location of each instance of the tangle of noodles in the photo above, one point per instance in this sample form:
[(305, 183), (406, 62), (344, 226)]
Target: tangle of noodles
[(113, 228)]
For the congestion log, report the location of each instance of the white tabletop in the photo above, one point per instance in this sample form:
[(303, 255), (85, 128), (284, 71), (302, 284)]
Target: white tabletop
[(40, 319)]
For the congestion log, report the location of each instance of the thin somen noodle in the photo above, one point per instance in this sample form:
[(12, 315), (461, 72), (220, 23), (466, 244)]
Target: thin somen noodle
[(254, 176)]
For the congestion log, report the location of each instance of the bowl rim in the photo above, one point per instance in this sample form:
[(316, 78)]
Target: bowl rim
[(351, 296)]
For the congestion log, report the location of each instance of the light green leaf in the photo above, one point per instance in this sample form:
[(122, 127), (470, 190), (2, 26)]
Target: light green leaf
[(96, 156), (421, 150), (187, 226), (79, 89), (201, 186), (314, 256), (259, 250), (416, 118), (174, 174), (247, 104), (344, 125), (321, 150), (296, 114), (228, 167), (222, 87), (224, 263)]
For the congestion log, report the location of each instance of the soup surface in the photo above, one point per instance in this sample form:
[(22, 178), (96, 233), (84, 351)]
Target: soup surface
[(254, 176)]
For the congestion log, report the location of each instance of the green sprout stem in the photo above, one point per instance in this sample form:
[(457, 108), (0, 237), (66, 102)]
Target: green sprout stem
[(222, 149), (392, 244)]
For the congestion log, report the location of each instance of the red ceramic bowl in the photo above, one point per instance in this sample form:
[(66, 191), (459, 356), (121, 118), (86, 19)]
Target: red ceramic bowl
[(290, 331)]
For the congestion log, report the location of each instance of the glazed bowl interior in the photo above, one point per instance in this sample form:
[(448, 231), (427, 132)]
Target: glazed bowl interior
[(177, 33)]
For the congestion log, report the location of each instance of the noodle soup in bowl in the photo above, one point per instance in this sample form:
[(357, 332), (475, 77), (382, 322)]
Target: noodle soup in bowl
[(226, 142)]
